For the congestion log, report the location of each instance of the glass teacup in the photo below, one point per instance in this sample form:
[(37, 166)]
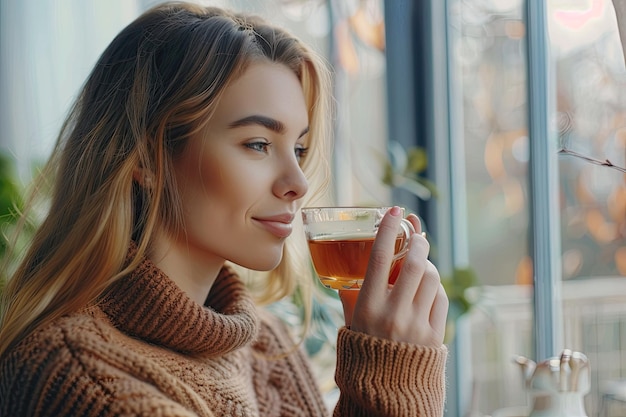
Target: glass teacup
[(340, 240)]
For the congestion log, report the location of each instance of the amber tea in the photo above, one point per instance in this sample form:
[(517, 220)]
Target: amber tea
[(340, 241), (342, 263)]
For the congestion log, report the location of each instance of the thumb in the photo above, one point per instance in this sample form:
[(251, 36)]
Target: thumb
[(348, 299)]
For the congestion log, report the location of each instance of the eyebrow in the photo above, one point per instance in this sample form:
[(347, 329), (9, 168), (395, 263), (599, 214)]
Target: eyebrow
[(267, 122)]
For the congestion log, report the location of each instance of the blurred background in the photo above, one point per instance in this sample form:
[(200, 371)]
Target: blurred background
[(494, 120)]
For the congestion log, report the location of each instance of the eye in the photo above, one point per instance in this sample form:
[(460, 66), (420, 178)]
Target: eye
[(301, 152), (259, 146)]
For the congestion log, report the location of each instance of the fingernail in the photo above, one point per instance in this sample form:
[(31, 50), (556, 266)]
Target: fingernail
[(395, 211)]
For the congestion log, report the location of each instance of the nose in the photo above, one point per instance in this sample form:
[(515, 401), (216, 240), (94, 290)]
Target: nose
[(291, 184)]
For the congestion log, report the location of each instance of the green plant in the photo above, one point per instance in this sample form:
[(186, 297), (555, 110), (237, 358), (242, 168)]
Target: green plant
[(10, 206), (456, 285), (404, 168)]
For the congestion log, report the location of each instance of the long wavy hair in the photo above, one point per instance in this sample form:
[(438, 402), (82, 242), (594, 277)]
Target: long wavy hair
[(154, 87)]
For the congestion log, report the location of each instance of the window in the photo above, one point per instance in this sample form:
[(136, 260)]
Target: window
[(489, 82)]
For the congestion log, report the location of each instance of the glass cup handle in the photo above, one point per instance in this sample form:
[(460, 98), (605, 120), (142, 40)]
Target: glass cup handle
[(408, 230)]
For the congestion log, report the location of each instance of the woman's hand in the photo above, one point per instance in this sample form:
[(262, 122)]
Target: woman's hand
[(413, 310)]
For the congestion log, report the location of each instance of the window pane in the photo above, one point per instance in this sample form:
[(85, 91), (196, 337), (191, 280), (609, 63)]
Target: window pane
[(591, 106), (589, 75)]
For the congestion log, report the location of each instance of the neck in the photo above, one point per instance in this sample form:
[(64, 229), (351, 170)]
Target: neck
[(191, 270)]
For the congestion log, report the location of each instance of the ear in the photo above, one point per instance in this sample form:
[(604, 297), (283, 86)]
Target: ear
[(143, 177)]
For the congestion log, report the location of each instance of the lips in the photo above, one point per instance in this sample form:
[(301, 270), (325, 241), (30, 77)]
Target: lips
[(278, 225)]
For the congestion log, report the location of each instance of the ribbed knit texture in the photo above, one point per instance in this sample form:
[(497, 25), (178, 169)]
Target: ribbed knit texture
[(149, 350), (378, 377)]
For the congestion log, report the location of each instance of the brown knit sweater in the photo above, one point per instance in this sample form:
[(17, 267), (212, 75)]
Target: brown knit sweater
[(149, 350)]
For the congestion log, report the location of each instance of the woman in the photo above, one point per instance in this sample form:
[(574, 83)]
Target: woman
[(191, 147)]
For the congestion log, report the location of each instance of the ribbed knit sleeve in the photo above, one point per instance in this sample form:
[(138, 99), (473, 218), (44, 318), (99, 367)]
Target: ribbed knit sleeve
[(378, 377)]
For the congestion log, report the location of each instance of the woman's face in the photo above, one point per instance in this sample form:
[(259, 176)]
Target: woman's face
[(240, 179)]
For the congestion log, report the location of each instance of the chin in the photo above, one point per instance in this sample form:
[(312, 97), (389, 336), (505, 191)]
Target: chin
[(260, 263), (268, 266)]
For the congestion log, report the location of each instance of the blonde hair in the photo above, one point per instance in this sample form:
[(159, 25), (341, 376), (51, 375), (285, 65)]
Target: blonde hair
[(155, 85)]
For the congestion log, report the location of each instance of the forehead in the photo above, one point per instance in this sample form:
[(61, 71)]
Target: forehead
[(268, 89)]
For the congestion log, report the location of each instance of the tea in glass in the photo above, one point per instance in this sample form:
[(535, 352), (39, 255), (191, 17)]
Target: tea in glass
[(340, 241)]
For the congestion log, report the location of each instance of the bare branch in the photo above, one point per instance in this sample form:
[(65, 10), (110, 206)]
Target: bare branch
[(605, 163)]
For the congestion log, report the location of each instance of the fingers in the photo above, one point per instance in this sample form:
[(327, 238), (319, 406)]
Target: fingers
[(430, 305), (414, 310), (419, 290), (413, 268), (439, 314), (376, 279), (417, 224), (428, 288)]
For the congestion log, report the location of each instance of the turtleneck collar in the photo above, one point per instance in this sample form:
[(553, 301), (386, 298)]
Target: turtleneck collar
[(148, 305)]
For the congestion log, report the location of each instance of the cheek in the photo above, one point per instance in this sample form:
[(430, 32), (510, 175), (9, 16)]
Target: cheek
[(228, 181), (228, 188)]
